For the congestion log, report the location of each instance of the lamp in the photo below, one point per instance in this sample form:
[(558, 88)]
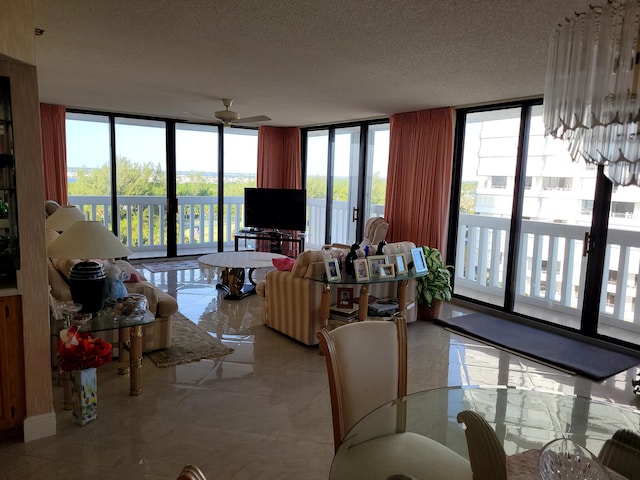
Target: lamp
[(63, 218), (87, 240), (591, 88)]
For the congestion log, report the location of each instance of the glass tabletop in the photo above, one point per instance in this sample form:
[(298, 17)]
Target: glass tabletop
[(524, 420), (102, 321)]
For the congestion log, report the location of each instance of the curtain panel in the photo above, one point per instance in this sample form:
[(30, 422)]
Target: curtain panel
[(419, 177), (279, 162), (54, 152)]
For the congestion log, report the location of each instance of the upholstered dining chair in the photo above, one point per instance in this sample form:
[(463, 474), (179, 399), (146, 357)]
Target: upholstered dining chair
[(191, 472), (367, 367)]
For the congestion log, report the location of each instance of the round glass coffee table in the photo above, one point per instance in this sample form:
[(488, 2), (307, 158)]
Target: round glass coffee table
[(233, 265)]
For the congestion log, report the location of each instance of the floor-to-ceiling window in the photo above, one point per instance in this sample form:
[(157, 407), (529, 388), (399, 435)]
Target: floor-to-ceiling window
[(196, 187), (141, 183), (346, 171), (520, 230), (89, 165), (159, 183)]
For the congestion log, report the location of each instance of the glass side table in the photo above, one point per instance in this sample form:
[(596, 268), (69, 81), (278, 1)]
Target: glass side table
[(129, 345), (363, 303)]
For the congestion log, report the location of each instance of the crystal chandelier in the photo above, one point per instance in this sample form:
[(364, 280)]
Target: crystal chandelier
[(591, 89)]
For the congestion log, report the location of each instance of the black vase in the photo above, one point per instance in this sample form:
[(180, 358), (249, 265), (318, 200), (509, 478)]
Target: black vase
[(350, 258)]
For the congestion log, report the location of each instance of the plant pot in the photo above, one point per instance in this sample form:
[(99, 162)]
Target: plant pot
[(426, 312), (84, 392)]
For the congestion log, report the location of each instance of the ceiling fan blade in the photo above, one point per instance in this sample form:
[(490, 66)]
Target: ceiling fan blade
[(258, 118)]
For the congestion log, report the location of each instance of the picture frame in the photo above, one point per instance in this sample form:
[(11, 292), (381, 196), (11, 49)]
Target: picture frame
[(332, 267), (345, 297), (419, 262), (374, 263), (399, 261), (386, 270), (361, 267)]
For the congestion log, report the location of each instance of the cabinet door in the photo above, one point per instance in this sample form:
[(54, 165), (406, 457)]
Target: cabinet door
[(12, 386)]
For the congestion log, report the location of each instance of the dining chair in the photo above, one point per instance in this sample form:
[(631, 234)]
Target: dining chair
[(487, 456), (191, 472), (367, 367)]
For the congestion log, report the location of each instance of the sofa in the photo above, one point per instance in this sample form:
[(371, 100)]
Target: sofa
[(156, 335), (291, 302)]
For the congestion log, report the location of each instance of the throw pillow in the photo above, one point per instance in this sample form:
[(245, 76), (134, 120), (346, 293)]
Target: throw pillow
[(284, 264)]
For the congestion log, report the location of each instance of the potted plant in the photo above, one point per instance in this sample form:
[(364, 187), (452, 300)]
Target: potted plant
[(435, 287)]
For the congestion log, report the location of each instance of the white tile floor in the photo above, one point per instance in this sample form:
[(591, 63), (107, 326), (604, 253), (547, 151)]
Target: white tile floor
[(260, 413)]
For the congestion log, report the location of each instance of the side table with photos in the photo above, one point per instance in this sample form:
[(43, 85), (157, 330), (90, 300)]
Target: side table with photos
[(398, 268)]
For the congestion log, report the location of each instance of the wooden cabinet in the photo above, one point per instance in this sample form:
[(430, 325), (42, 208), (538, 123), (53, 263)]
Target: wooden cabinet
[(12, 374)]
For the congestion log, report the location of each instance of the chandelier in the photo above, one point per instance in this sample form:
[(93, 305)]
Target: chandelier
[(591, 89)]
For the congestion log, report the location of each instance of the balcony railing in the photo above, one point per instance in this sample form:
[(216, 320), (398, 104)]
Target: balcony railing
[(550, 268), (550, 265), (143, 221)]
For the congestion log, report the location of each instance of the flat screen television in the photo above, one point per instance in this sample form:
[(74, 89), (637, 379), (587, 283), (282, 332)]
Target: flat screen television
[(275, 208)]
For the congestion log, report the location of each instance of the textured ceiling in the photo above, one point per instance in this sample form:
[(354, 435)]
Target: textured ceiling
[(301, 62)]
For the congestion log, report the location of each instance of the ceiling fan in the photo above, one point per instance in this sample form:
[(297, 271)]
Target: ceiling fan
[(228, 117)]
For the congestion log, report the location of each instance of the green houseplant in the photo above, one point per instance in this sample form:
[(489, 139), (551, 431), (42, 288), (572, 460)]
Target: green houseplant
[(435, 287)]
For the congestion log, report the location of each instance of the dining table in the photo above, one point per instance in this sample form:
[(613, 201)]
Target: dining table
[(419, 436)]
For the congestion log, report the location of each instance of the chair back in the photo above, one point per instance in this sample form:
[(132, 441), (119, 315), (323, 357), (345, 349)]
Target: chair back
[(375, 230), (366, 366), (486, 454), (191, 472)]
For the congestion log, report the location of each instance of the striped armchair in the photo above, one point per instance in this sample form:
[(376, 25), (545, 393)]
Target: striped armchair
[(291, 301)]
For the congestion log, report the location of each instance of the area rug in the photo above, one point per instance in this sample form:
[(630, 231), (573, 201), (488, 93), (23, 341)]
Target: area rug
[(189, 343), (566, 353), (156, 267)]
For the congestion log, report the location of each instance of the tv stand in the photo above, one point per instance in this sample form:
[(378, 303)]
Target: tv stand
[(275, 239)]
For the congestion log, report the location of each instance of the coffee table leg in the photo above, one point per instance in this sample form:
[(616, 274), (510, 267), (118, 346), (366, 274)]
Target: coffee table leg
[(135, 362)]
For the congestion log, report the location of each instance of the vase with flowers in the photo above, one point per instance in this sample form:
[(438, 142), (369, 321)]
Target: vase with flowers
[(80, 354)]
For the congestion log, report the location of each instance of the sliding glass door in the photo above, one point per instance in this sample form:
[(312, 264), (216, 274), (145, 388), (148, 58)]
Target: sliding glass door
[(346, 170), (539, 235)]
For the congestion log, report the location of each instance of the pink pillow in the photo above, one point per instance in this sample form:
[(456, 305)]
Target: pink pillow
[(283, 264), (130, 277)]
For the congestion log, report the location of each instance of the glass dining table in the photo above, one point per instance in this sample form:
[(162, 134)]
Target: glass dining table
[(383, 443)]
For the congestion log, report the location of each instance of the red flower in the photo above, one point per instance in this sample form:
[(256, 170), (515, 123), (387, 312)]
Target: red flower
[(83, 351)]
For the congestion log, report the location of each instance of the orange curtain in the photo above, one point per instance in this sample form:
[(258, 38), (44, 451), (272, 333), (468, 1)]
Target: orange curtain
[(279, 164), (419, 178), (54, 152)]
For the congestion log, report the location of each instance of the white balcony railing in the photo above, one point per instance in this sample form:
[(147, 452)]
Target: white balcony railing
[(198, 229), (550, 265), (550, 268)]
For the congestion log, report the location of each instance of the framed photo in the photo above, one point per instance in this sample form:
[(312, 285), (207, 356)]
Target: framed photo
[(419, 262), (399, 262), (345, 297), (374, 263), (386, 270), (361, 266), (332, 266)]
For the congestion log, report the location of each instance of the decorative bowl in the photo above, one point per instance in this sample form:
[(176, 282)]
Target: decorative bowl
[(133, 305)]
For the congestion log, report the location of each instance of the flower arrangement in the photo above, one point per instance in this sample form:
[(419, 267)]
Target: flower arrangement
[(77, 351)]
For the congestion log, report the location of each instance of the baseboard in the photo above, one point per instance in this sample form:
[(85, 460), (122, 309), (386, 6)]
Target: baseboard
[(39, 426)]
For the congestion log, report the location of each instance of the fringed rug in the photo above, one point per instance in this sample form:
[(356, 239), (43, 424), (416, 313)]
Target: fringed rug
[(156, 267), (189, 343)]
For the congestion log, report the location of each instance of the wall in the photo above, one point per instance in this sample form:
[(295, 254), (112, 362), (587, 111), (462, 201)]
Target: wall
[(17, 60), (17, 26)]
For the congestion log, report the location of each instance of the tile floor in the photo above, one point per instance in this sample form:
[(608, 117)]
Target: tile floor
[(260, 413)]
